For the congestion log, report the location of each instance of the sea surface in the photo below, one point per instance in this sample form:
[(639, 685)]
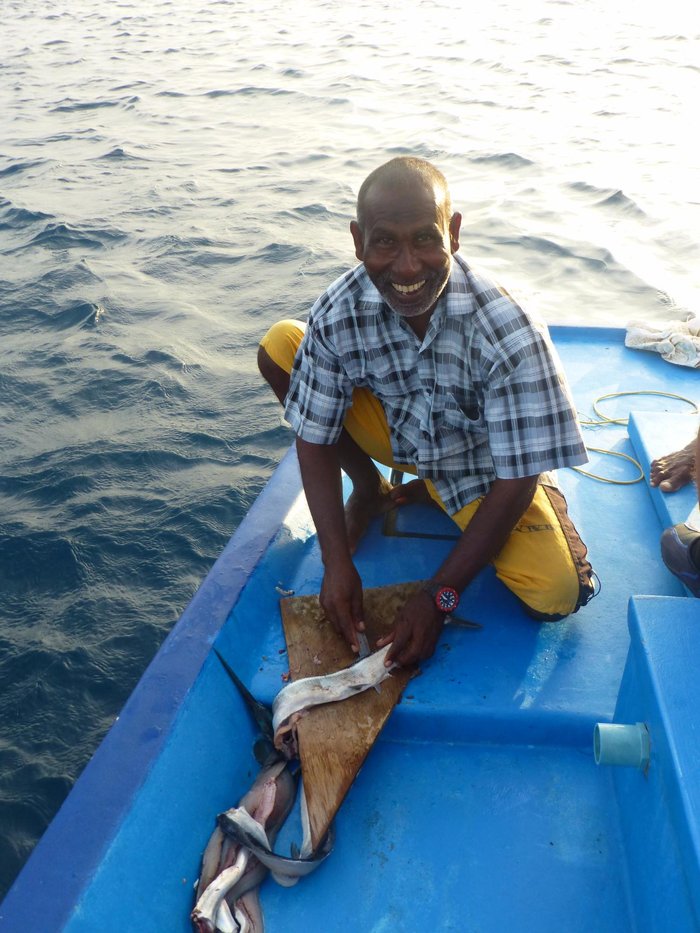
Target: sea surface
[(174, 177)]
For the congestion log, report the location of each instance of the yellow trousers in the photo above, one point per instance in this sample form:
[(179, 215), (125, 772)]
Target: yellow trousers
[(543, 561)]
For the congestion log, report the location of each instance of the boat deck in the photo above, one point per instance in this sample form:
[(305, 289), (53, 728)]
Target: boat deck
[(480, 807)]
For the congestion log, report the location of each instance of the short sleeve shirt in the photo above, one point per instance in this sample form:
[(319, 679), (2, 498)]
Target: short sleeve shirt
[(483, 396)]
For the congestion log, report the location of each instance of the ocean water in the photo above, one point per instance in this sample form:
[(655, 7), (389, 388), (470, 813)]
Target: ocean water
[(174, 177)]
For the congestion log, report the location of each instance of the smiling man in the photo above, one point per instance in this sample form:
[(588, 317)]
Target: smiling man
[(415, 361)]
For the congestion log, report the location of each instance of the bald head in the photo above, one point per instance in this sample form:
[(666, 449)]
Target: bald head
[(405, 172), (405, 235)]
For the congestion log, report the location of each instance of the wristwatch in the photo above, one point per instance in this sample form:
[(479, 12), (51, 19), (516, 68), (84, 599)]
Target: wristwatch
[(446, 598)]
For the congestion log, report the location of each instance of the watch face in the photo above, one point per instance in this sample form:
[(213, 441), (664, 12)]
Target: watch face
[(446, 599)]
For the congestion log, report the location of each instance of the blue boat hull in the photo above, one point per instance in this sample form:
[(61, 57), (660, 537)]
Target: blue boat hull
[(481, 806)]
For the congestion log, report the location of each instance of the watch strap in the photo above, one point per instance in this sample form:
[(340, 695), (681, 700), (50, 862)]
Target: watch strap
[(445, 597)]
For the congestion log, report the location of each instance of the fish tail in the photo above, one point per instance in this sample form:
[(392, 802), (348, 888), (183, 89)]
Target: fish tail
[(260, 713)]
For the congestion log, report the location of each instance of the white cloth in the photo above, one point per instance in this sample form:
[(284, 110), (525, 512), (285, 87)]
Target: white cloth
[(677, 341)]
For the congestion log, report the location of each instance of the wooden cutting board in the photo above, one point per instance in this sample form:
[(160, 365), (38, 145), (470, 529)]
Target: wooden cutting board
[(334, 739)]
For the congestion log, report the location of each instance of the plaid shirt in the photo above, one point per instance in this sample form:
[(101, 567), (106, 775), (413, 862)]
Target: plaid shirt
[(483, 396)]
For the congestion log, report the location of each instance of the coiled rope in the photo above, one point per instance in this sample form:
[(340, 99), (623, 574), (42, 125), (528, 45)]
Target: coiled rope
[(605, 420)]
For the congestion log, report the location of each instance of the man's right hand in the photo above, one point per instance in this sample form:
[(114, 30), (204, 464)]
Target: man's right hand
[(341, 600), (341, 592)]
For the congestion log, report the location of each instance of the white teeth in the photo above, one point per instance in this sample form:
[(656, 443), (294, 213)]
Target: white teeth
[(408, 289)]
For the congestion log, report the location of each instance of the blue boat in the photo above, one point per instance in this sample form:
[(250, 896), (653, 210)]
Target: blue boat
[(482, 806)]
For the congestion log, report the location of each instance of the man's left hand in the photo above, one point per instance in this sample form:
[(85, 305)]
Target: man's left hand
[(416, 632)]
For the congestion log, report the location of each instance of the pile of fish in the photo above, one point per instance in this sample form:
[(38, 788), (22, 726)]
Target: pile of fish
[(227, 891), (240, 852)]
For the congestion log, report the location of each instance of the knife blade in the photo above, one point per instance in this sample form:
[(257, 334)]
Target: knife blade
[(364, 645)]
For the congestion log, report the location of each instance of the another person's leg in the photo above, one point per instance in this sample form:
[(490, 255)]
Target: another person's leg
[(544, 561), (680, 545)]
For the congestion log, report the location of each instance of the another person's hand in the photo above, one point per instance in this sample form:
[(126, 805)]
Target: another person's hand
[(341, 600), (416, 632)]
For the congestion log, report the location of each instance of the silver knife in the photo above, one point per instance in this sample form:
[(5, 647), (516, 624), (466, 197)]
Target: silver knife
[(364, 652), (364, 645)]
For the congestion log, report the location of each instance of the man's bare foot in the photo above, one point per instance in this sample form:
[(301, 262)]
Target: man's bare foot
[(361, 509), (413, 493), (674, 470)]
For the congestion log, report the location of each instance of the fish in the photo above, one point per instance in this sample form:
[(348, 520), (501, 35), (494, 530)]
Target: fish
[(263, 747), (212, 913), (238, 824), (248, 913), (217, 855), (239, 853), (293, 700), (238, 871)]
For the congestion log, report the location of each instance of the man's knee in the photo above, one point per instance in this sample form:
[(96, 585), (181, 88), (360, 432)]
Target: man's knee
[(276, 354), (543, 616), (280, 344), (276, 377), (570, 592)]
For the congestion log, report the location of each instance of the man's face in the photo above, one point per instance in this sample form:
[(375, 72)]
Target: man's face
[(407, 245)]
